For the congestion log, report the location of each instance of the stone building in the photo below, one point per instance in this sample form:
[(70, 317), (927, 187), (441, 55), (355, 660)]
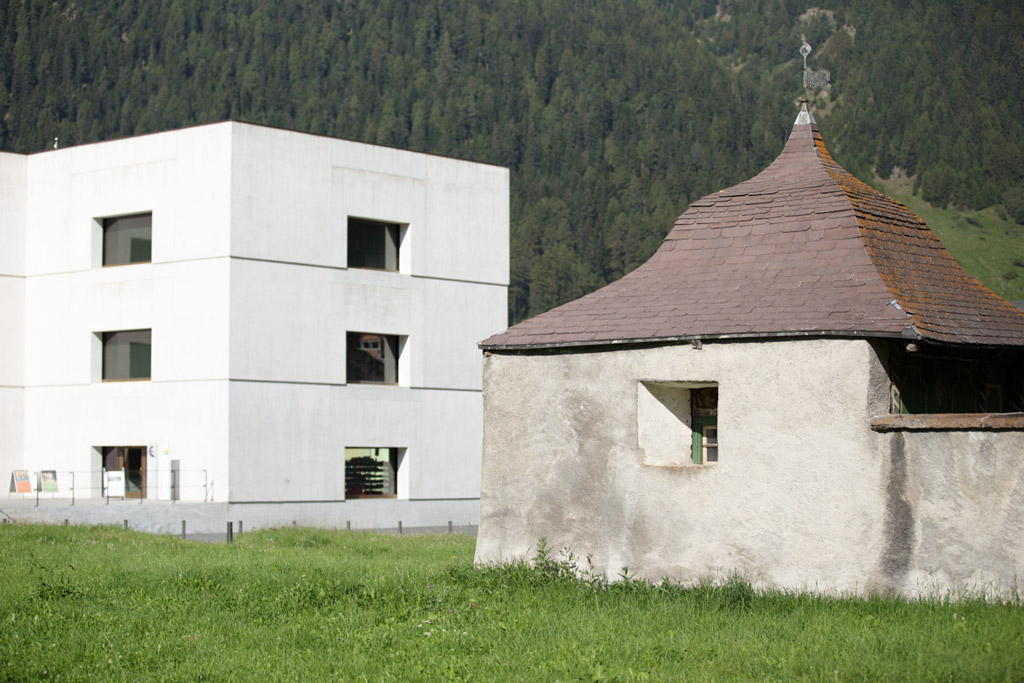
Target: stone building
[(801, 386), (251, 316)]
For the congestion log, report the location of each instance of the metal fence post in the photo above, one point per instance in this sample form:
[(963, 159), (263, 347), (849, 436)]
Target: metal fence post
[(183, 530), (229, 532), (399, 527)]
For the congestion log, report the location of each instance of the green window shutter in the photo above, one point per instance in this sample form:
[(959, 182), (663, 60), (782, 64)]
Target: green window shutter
[(698, 456)]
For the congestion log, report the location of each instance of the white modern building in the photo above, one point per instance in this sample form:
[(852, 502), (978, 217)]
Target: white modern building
[(242, 314)]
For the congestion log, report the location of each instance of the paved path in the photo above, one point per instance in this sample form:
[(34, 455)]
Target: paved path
[(203, 521)]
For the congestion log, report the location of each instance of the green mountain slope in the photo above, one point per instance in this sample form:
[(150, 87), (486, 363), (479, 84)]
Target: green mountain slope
[(612, 116)]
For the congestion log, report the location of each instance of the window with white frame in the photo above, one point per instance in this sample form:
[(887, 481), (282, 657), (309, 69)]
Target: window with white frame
[(704, 421)]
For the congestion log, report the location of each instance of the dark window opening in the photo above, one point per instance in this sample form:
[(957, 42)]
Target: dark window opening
[(372, 358), (937, 380), (704, 421), (126, 354), (371, 472), (372, 244), (128, 239)]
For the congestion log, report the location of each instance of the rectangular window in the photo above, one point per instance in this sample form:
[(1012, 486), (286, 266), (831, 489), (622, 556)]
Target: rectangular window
[(677, 423), (705, 441), (127, 239), (126, 354), (372, 358), (372, 472), (372, 244), (704, 420)]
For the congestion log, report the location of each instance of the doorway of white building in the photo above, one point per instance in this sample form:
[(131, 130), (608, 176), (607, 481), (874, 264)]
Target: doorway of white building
[(131, 459)]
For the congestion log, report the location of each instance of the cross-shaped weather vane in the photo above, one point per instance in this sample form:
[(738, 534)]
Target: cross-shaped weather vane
[(813, 79)]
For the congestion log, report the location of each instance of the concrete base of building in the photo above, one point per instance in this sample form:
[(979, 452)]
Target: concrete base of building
[(208, 521)]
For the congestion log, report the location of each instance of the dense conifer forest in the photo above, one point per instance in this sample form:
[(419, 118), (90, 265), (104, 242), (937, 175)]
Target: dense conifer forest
[(612, 115)]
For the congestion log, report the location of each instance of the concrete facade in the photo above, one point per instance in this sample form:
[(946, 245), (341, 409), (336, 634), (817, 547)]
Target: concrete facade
[(806, 495), (249, 298)]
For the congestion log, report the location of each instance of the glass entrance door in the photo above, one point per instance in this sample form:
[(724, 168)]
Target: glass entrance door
[(131, 459)]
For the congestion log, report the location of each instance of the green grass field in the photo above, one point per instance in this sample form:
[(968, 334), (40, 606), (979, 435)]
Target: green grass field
[(988, 247), (109, 604)]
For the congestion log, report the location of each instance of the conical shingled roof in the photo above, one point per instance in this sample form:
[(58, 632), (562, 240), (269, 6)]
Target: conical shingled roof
[(801, 249)]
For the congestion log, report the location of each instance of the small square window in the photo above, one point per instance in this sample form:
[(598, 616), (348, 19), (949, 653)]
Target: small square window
[(372, 244), (126, 354), (128, 239), (372, 472), (372, 358), (677, 423)]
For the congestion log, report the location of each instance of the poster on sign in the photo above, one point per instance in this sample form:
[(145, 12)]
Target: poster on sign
[(21, 482), (114, 483), (48, 481)]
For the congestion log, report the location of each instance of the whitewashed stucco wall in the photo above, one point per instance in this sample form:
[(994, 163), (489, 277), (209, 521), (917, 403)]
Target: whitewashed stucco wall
[(801, 499), (954, 503)]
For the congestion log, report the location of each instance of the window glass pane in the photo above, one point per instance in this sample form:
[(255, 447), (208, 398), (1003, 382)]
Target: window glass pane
[(135, 466), (370, 472), (711, 443), (126, 354), (127, 239), (372, 244), (372, 358)]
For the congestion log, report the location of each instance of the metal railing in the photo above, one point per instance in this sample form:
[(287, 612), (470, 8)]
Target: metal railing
[(85, 484)]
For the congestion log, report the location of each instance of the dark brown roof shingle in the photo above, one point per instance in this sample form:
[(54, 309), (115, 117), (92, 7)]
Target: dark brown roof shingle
[(802, 248)]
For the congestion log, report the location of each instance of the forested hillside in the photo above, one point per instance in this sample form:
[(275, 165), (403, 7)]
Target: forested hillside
[(612, 115)]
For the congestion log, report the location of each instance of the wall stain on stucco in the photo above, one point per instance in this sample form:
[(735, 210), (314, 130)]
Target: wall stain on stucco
[(899, 530)]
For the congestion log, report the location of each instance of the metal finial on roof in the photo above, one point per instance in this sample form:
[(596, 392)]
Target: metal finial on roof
[(805, 115), (813, 79)]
